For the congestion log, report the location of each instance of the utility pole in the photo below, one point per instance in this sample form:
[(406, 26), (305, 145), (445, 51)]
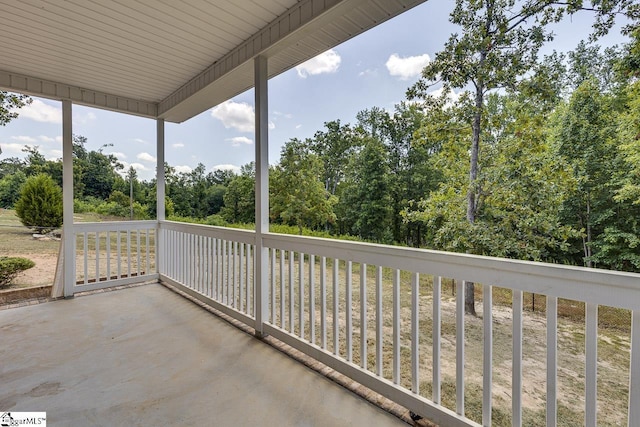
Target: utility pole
[(132, 175)]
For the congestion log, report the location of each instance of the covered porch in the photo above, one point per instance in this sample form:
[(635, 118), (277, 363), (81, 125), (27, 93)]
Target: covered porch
[(376, 314)]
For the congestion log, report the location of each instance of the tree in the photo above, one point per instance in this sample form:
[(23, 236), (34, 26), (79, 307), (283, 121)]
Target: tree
[(198, 185), (100, 174), (411, 175), (522, 183), (494, 50), (498, 45), (220, 177), (10, 165), (10, 188), (214, 198), (40, 204), (365, 197), (35, 160), (334, 147), (239, 200), (9, 103), (299, 194), (132, 177), (585, 138), (618, 246)]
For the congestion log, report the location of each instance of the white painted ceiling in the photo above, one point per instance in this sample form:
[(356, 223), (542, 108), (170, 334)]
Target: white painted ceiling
[(168, 58)]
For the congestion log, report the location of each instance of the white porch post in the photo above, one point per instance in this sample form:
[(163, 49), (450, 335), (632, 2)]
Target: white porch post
[(160, 193), (69, 255), (262, 192)]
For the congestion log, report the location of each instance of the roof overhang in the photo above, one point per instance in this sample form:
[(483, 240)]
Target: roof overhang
[(170, 60)]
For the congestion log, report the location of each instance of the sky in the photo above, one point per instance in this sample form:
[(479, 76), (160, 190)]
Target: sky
[(373, 69)]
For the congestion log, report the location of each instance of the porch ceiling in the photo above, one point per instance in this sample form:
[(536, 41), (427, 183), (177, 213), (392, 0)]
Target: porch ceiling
[(159, 58)]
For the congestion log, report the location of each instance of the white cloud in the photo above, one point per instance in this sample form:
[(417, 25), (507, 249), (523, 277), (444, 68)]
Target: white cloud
[(139, 140), (59, 139), (136, 166), (408, 67), (41, 112), (298, 126), (177, 145), (368, 72), (25, 139), (327, 62), (284, 115), (183, 169), (11, 148), (44, 138), (239, 140), (237, 115), (226, 167), (452, 96), (146, 157), (55, 154), (119, 155), (139, 166), (83, 119)]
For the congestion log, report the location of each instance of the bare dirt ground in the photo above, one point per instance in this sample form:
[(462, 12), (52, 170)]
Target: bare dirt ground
[(43, 272), (17, 241)]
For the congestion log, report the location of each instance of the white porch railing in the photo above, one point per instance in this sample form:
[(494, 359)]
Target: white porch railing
[(114, 253), (213, 264), (378, 314)]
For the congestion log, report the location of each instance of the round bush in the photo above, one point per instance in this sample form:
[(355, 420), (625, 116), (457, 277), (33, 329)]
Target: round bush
[(40, 204), (10, 267)]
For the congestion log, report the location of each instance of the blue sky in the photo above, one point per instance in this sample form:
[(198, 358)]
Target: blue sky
[(373, 69)]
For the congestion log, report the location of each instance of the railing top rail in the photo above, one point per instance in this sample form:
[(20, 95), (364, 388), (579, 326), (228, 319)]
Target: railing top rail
[(617, 289), (234, 234), (114, 225)]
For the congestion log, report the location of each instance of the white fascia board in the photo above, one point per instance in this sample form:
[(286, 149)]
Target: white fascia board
[(13, 82)]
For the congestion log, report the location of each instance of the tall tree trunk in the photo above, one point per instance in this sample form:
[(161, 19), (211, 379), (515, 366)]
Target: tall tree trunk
[(469, 296), (472, 194), (587, 246)]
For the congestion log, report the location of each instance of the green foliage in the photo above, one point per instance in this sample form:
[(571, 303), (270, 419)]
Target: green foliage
[(298, 195), (585, 138), (629, 139), (9, 103), (84, 206), (215, 220), (116, 209), (11, 165), (293, 230), (334, 147), (10, 267), (214, 198), (40, 204), (618, 246), (10, 187), (366, 195), (521, 187), (239, 200)]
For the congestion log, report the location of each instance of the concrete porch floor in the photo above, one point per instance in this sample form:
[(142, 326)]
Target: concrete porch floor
[(147, 356)]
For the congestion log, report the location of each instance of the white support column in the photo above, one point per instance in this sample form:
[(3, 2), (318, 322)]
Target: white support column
[(261, 276), (68, 234), (160, 193), (160, 188)]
